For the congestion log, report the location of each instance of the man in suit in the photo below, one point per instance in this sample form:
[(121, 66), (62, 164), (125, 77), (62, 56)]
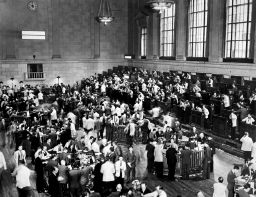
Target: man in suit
[(185, 162), (120, 166), (150, 148), (117, 150), (53, 188), (207, 161), (74, 182), (144, 189), (231, 180), (171, 156), (63, 177), (131, 159)]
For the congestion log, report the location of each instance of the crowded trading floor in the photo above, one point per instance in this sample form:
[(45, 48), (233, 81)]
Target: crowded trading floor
[(126, 132)]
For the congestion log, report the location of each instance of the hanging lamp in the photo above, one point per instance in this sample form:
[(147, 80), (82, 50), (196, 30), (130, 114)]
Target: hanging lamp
[(105, 13), (160, 5)]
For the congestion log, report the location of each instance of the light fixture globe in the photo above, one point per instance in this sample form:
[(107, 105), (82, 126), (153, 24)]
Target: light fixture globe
[(105, 19), (160, 5), (105, 13)]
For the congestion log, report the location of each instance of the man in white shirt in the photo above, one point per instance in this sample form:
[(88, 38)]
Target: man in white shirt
[(89, 125), (249, 119), (233, 118), (53, 116), (226, 100), (22, 174), (219, 189), (19, 155), (247, 144), (206, 116), (40, 97), (158, 154), (120, 167), (156, 112), (108, 178)]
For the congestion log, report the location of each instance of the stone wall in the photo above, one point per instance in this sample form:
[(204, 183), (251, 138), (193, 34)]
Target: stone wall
[(69, 71), (76, 44)]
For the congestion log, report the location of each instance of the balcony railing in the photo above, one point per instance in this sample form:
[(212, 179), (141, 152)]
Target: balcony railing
[(34, 75)]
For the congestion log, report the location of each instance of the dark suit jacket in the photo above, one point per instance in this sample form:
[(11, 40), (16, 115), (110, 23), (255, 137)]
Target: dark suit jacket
[(231, 180), (53, 185), (74, 178), (150, 148), (171, 155), (131, 158), (147, 191), (185, 156)]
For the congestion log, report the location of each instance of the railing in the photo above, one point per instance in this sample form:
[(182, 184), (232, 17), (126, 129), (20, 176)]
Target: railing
[(35, 75)]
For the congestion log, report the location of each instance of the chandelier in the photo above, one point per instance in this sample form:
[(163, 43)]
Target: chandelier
[(160, 5), (105, 13)]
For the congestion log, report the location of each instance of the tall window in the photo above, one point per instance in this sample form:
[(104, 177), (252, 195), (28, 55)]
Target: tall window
[(167, 32), (198, 17), (143, 42), (238, 29)]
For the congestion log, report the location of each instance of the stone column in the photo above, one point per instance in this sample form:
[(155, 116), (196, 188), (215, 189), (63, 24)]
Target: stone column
[(181, 29), (216, 30), (56, 53), (155, 35)]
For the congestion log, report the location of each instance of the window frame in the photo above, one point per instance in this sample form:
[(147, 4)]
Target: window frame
[(173, 29), (144, 38), (205, 32), (250, 58)]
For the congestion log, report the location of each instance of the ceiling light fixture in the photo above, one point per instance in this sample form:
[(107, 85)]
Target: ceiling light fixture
[(160, 5), (105, 13)]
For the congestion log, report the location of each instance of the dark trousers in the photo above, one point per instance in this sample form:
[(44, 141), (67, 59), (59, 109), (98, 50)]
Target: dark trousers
[(185, 171), (63, 189), (130, 174), (25, 192), (75, 192), (109, 133), (231, 192), (233, 133), (108, 187), (120, 180), (206, 169), (247, 155), (129, 140), (101, 133), (159, 168), (150, 165), (171, 170)]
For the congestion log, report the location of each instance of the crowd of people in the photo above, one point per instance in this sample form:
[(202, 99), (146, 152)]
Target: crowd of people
[(71, 143)]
